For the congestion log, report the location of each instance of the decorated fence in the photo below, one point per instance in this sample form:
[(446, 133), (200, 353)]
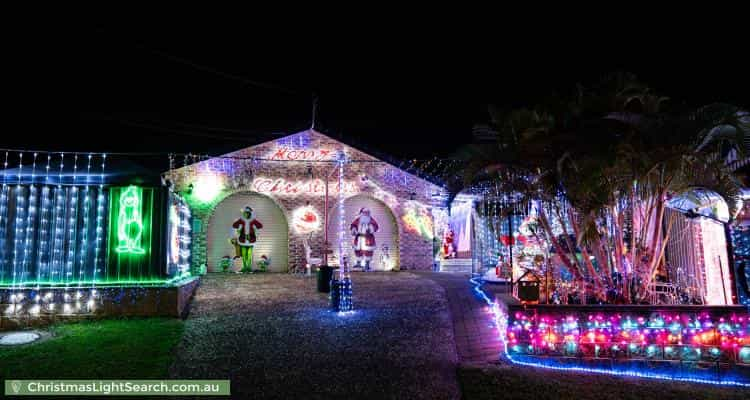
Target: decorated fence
[(680, 342)]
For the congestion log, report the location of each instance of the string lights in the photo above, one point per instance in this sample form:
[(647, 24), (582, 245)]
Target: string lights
[(99, 244), (345, 282), (728, 331), (30, 221), (4, 219), (85, 232)]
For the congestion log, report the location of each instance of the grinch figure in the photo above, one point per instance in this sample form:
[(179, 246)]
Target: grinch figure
[(363, 229), (245, 236)]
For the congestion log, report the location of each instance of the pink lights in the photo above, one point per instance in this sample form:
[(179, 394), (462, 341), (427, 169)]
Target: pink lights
[(313, 187), (667, 336), (293, 154)]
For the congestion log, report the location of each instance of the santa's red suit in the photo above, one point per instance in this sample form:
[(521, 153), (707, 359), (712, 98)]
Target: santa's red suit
[(448, 243), (246, 230), (363, 229)]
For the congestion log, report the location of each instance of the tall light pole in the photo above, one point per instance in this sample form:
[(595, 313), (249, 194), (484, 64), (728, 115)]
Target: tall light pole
[(326, 244)]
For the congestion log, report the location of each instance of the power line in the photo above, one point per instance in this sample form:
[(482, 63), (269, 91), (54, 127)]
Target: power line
[(204, 68), (185, 132)]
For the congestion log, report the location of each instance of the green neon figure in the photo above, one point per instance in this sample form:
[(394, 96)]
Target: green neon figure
[(129, 222)]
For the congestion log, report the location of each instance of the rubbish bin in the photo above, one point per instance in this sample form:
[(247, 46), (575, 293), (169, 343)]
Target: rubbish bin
[(325, 273)]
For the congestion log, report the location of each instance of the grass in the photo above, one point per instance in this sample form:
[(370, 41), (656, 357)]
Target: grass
[(513, 382), (107, 349)]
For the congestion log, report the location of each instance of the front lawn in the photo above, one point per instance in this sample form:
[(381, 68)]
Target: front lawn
[(107, 349)]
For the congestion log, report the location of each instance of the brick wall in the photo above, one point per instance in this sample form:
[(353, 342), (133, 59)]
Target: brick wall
[(403, 193)]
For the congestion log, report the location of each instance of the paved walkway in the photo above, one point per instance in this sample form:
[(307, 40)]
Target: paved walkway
[(476, 337)]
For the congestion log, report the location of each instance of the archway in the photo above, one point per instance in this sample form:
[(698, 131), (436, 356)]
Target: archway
[(273, 239), (386, 256)]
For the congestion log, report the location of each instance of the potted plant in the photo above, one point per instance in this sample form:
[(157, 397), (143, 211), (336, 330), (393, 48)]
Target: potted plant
[(225, 263)]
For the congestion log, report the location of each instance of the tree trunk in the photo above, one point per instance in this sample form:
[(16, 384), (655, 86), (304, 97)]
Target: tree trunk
[(659, 249), (599, 292), (633, 246), (563, 256), (619, 220)]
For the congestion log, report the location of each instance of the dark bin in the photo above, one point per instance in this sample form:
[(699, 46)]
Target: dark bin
[(325, 273), (528, 291)]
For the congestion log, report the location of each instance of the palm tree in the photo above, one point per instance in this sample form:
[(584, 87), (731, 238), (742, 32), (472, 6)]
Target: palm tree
[(603, 164)]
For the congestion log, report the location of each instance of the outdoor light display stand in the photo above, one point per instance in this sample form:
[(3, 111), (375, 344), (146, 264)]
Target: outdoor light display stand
[(345, 288), (341, 290)]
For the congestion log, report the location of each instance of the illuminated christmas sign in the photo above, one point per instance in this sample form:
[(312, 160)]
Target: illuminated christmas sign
[(312, 187), (305, 220), (418, 219), (291, 154)]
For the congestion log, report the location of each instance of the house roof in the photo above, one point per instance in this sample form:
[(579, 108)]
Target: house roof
[(117, 170), (303, 138)]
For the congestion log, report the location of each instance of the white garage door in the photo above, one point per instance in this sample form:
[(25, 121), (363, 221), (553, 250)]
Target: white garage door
[(386, 238), (273, 239)]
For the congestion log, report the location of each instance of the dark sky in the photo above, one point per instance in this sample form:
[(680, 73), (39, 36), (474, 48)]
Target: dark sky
[(200, 88)]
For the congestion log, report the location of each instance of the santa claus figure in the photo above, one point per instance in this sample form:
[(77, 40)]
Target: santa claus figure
[(363, 229), (245, 236), (448, 249)]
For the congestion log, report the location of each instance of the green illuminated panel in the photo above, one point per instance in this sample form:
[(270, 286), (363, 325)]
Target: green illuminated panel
[(129, 221), (133, 210)]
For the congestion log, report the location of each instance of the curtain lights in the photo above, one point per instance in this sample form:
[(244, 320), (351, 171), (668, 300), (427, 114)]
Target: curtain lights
[(3, 220), (85, 230), (100, 203), (19, 225), (30, 223)]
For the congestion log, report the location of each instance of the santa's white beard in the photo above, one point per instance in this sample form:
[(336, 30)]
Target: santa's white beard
[(364, 223)]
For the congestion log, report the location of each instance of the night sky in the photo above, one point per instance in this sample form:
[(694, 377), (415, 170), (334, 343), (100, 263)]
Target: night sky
[(212, 89)]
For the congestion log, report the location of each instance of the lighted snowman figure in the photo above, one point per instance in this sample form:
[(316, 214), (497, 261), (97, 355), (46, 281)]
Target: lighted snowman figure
[(129, 224), (385, 258)]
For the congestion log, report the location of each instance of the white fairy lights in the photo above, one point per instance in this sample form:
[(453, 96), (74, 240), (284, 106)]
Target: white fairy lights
[(99, 222)]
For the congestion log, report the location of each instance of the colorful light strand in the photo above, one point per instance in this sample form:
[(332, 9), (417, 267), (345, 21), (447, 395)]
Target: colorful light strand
[(500, 319)]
